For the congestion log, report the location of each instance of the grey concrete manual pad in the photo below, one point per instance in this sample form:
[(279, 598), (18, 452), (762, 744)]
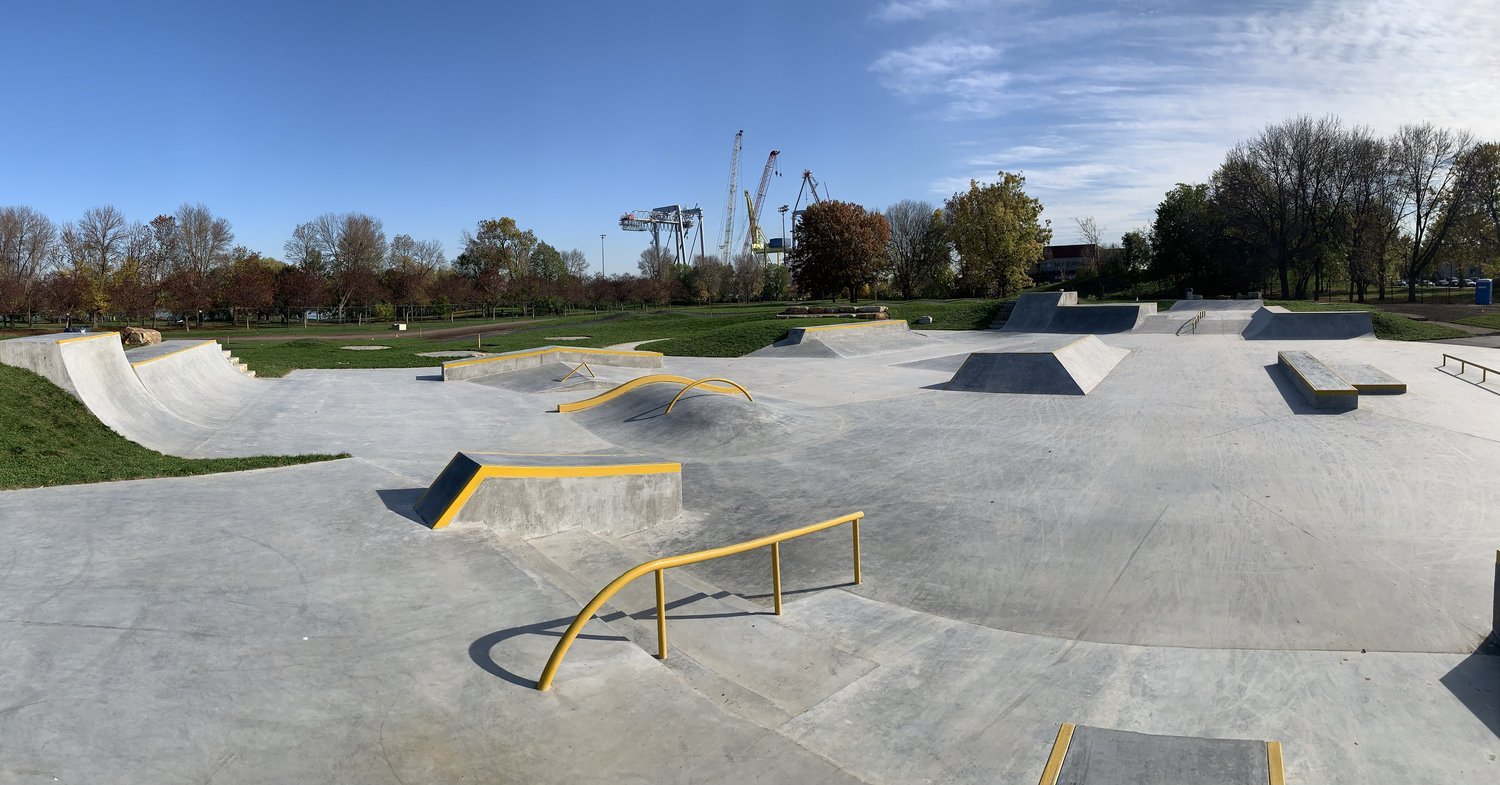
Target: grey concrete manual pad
[(1099, 756)]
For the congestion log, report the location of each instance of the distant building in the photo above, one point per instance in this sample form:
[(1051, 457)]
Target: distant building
[(1061, 262)]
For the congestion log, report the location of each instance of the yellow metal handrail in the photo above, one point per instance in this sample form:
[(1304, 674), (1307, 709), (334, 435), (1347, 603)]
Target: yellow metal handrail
[(659, 565), (707, 382), (582, 366)]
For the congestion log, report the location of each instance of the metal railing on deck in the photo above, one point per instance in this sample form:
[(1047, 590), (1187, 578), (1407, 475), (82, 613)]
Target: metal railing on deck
[(1193, 325), (658, 566), (1463, 367)]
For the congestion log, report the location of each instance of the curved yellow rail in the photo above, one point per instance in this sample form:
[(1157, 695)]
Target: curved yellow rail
[(582, 366), (636, 383), (658, 565), (707, 385)]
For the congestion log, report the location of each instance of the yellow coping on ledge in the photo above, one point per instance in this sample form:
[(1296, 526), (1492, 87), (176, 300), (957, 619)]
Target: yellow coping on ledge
[(1319, 392), (169, 354), (548, 350), (1059, 751), (861, 323), (519, 472), (88, 337), (1273, 763), (639, 381)]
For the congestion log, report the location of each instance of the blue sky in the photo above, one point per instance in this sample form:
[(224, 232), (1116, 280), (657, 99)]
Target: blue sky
[(431, 116)]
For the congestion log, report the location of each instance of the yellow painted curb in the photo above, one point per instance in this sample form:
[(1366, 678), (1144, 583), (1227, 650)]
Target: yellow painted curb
[(861, 323), (1273, 763), (89, 337), (1059, 751), (521, 472)]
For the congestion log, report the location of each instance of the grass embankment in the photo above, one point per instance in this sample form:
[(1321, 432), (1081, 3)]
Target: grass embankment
[(1388, 326), (1490, 321), (47, 437), (700, 332)]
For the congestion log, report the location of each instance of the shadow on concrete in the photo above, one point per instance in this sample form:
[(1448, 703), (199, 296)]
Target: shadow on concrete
[(479, 650), (808, 590), (1293, 396), (403, 502), (430, 377), (1471, 382), (1476, 684)]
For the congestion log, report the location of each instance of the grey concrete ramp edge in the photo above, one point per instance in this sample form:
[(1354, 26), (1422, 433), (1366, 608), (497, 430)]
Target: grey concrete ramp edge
[(1274, 323), (1101, 756), (533, 495), (476, 367), (1059, 312), (1073, 368), (93, 367), (1212, 306), (195, 381), (855, 339)]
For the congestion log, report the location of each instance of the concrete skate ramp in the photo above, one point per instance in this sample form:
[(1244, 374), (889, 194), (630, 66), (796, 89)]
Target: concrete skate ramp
[(532, 495), (701, 423), (1059, 312), (476, 367), (1049, 366), (194, 380), (1273, 323), (93, 368), (1082, 755), (858, 339), (548, 378), (1225, 307)]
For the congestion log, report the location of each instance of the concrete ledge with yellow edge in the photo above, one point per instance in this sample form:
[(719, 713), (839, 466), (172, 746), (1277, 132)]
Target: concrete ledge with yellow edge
[(642, 381), (1319, 385), (1083, 755), (1368, 379), (799, 334), (532, 495), (476, 367)]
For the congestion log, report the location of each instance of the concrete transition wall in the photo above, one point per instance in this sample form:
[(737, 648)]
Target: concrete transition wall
[(476, 367), (1049, 366), (1059, 312), (1275, 323), (532, 495), (857, 339), (195, 380)]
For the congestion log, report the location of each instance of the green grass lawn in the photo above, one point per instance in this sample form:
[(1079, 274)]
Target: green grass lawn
[(710, 331), (1388, 326), (48, 437), (1490, 320)]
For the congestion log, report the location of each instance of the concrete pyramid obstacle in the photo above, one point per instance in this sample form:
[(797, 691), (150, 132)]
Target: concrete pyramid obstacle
[(1046, 366), (1059, 312)]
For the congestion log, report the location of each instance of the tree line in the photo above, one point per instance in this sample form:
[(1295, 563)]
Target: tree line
[(1309, 201)]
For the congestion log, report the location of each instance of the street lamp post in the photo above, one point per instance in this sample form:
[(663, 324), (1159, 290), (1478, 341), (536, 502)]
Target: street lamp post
[(601, 254)]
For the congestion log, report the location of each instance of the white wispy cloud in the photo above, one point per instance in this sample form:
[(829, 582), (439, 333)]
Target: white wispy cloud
[(1118, 106)]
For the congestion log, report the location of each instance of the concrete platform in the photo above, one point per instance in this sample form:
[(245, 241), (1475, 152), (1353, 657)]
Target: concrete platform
[(533, 495), (1059, 312), (1179, 553), (1276, 323), (1319, 385), (1047, 367)]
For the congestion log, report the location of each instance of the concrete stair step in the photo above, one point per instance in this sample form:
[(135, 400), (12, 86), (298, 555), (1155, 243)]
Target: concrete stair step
[(1003, 315), (731, 650)]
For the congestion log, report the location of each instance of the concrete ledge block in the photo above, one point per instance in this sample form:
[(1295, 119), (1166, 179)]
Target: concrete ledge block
[(1319, 385), (532, 495)]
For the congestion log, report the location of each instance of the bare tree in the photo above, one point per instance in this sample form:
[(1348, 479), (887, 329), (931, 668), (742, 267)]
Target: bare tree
[(1429, 198), (911, 251), (99, 239), (204, 238), (351, 248), (576, 263), (26, 242)]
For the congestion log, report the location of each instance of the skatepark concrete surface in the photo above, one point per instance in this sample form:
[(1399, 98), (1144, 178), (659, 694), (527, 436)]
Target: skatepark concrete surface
[(1187, 550)]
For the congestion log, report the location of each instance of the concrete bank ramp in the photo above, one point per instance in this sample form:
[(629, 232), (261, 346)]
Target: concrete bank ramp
[(1045, 366), (533, 495), (1219, 317), (195, 380), (701, 423), (553, 377), (857, 339), (506, 362), (1083, 755), (93, 368), (1274, 323), (1059, 312)]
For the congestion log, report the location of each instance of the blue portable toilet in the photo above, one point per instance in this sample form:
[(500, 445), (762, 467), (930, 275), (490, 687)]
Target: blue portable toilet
[(1483, 291)]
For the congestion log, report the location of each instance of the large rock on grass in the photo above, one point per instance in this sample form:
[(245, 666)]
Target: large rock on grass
[(139, 336)]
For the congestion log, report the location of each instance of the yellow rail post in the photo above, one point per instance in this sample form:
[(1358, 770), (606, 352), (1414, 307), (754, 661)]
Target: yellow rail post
[(684, 390), (581, 366), (661, 615), (857, 579), (776, 574), (659, 566)]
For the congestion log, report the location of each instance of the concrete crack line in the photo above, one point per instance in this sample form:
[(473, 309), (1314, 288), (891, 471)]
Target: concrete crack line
[(1083, 631)]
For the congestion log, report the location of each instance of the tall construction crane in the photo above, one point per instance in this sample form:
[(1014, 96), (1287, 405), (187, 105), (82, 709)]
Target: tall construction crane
[(675, 221), (755, 239), (809, 183), (760, 200), (734, 183)]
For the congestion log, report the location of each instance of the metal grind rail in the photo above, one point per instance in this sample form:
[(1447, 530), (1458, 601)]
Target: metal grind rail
[(1463, 367), (659, 566)]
